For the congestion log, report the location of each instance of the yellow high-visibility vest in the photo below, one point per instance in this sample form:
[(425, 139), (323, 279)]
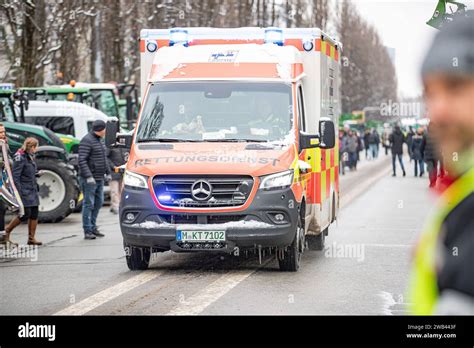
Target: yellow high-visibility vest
[(423, 290)]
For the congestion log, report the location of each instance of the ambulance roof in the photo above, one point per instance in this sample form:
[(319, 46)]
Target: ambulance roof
[(92, 86), (244, 33), (63, 108), (167, 59)]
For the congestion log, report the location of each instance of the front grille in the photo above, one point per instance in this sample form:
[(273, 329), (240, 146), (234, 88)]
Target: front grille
[(205, 219), (209, 191)]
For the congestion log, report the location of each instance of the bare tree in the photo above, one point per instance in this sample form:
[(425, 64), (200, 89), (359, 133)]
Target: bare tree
[(99, 40), (368, 75)]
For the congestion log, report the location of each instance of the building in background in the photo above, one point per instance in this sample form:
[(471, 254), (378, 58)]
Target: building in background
[(391, 54)]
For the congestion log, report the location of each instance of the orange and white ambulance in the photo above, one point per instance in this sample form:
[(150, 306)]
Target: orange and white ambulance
[(235, 144)]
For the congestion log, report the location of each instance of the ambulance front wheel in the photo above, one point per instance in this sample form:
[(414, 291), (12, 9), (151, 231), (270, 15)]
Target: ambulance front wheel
[(289, 259), (138, 258)]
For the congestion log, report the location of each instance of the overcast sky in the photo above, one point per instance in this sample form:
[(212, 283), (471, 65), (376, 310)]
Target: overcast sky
[(402, 25)]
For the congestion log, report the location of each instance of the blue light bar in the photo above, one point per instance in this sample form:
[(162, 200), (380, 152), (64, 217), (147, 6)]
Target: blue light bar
[(274, 36), (179, 37)]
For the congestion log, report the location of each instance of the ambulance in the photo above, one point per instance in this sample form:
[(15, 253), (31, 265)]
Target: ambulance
[(235, 145)]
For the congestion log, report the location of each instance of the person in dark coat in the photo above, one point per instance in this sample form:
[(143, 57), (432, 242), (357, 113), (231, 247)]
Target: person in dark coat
[(386, 140), (416, 150), (343, 155), (360, 147), (410, 135), (373, 141), (116, 157), (93, 171), (396, 142), (431, 156), (352, 147), (24, 175), (366, 143)]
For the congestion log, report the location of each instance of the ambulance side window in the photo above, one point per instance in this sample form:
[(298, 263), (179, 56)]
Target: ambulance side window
[(301, 111)]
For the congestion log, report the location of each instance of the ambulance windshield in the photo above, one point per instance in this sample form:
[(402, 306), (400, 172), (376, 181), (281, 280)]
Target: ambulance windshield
[(216, 111)]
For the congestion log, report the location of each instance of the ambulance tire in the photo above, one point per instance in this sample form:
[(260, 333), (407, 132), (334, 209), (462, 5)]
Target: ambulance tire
[(317, 242), (137, 258), (290, 259)]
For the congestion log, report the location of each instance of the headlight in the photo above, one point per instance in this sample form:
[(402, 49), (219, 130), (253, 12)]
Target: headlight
[(276, 181), (134, 180)]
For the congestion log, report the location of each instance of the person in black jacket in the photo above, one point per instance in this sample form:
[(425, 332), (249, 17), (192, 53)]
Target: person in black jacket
[(366, 143), (396, 141), (93, 171), (116, 157), (431, 156), (373, 141), (409, 139), (24, 175), (416, 151)]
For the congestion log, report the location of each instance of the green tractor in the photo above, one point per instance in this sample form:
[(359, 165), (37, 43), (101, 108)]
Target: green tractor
[(58, 187)]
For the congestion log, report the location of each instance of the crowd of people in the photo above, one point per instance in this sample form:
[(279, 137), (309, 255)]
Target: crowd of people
[(421, 150), (351, 144), (96, 168)]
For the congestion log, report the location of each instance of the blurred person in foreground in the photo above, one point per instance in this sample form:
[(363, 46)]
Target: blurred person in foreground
[(442, 281)]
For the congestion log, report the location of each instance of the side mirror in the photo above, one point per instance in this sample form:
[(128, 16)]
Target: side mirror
[(125, 140), (308, 141), (111, 130), (327, 133)]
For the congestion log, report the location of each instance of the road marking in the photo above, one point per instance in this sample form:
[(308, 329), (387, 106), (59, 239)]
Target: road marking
[(360, 189), (198, 303), (108, 294), (389, 302)]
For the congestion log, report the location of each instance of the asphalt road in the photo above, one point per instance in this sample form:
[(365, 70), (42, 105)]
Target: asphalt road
[(363, 270)]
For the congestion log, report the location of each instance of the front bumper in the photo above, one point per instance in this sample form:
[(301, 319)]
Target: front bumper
[(153, 227)]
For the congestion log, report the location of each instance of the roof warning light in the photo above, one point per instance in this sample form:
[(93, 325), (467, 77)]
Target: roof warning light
[(179, 37), (274, 36)]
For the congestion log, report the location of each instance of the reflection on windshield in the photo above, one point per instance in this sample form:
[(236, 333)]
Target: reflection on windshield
[(211, 111)]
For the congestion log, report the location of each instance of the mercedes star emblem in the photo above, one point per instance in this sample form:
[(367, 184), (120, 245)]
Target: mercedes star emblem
[(201, 190)]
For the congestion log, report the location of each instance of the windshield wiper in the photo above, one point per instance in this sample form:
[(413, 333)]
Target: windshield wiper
[(163, 140), (236, 140), (174, 140)]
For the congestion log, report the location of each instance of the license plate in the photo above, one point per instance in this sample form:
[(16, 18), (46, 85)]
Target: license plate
[(200, 236)]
